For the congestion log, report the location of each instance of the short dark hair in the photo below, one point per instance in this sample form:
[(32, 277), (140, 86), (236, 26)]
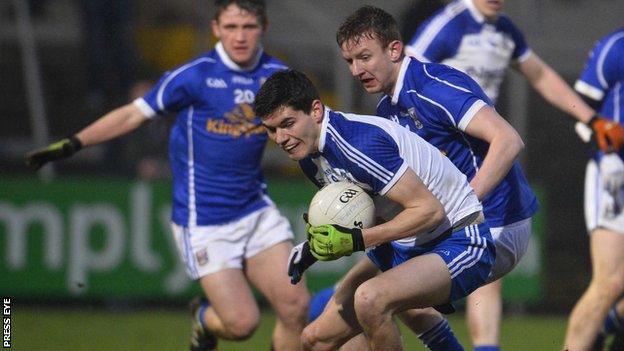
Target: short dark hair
[(257, 7), (289, 88), (368, 22)]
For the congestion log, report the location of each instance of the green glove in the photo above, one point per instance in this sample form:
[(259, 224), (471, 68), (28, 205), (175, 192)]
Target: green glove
[(61, 149), (330, 241)]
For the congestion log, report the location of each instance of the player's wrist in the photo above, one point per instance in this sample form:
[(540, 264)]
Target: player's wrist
[(74, 143), (358, 240)]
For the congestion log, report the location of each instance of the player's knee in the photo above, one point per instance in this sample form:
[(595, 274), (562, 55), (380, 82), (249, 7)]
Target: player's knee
[(242, 326), (608, 288), (369, 303)]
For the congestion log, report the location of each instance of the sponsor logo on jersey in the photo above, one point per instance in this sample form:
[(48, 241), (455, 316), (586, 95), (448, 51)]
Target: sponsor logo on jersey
[(216, 83), (242, 80), (240, 121)]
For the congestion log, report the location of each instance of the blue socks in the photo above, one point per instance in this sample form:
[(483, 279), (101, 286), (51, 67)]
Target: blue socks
[(486, 348), (319, 301), (200, 313), (613, 323), (441, 338)]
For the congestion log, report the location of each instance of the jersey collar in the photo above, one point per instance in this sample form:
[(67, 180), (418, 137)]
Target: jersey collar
[(233, 65), (478, 16), (399, 83), (324, 123)]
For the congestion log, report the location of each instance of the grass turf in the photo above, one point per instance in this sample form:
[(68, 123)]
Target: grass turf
[(97, 329)]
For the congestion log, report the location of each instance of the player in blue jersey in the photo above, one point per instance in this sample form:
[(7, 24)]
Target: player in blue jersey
[(229, 233), (602, 84), (474, 37), (433, 250), (449, 110)]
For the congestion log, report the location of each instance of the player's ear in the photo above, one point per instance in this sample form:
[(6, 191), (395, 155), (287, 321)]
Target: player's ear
[(395, 50), (317, 111), (214, 25)]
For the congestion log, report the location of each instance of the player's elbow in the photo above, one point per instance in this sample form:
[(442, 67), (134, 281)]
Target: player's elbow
[(436, 213)]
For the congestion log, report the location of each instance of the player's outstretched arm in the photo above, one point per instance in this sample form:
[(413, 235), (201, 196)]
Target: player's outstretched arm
[(608, 135), (505, 146), (115, 123), (554, 89)]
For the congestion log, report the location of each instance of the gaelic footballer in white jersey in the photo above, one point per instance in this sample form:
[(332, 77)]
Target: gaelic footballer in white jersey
[(374, 153), (459, 35)]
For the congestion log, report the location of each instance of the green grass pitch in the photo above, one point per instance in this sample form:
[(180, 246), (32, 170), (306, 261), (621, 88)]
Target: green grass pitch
[(158, 329)]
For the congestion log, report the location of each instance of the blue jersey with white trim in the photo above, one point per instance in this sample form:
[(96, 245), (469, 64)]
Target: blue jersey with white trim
[(374, 153), (602, 78), (458, 35), (216, 142), (437, 102)]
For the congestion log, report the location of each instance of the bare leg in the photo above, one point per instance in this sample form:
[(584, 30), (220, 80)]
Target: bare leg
[(484, 310), (338, 323), (604, 289), (233, 313), (267, 271), (379, 298)]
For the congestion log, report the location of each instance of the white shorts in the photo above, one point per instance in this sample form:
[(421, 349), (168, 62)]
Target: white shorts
[(598, 201), (208, 249), (511, 242)]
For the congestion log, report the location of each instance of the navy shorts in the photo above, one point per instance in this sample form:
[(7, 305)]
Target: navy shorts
[(469, 254)]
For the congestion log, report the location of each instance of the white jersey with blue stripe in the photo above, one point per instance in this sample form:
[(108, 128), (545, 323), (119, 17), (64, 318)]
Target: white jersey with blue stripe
[(216, 142), (374, 153), (458, 35), (437, 102), (603, 77)]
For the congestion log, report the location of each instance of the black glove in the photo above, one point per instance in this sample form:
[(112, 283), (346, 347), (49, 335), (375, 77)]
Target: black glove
[(300, 259), (61, 149)]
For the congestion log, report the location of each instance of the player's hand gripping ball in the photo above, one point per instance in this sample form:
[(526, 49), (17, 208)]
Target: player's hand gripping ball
[(337, 215)]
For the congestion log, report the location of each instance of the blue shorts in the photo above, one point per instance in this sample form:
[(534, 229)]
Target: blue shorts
[(469, 254)]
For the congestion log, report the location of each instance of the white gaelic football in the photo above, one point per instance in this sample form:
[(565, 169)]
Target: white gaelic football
[(342, 203)]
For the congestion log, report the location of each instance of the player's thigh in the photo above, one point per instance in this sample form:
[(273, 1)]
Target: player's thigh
[(511, 243), (267, 270), (606, 248), (231, 297), (420, 282)]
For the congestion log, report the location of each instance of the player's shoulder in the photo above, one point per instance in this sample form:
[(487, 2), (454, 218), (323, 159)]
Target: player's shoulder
[(506, 24), (358, 129), (451, 18), (423, 74), (200, 64), (272, 64), (612, 40)]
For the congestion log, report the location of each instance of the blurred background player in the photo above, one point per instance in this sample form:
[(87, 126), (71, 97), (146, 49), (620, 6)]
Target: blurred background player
[(474, 37), (434, 251), (229, 233), (429, 100), (601, 84)]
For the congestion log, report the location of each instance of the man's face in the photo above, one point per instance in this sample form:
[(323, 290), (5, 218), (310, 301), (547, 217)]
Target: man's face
[(240, 32), (294, 131), (373, 65), (489, 8)]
